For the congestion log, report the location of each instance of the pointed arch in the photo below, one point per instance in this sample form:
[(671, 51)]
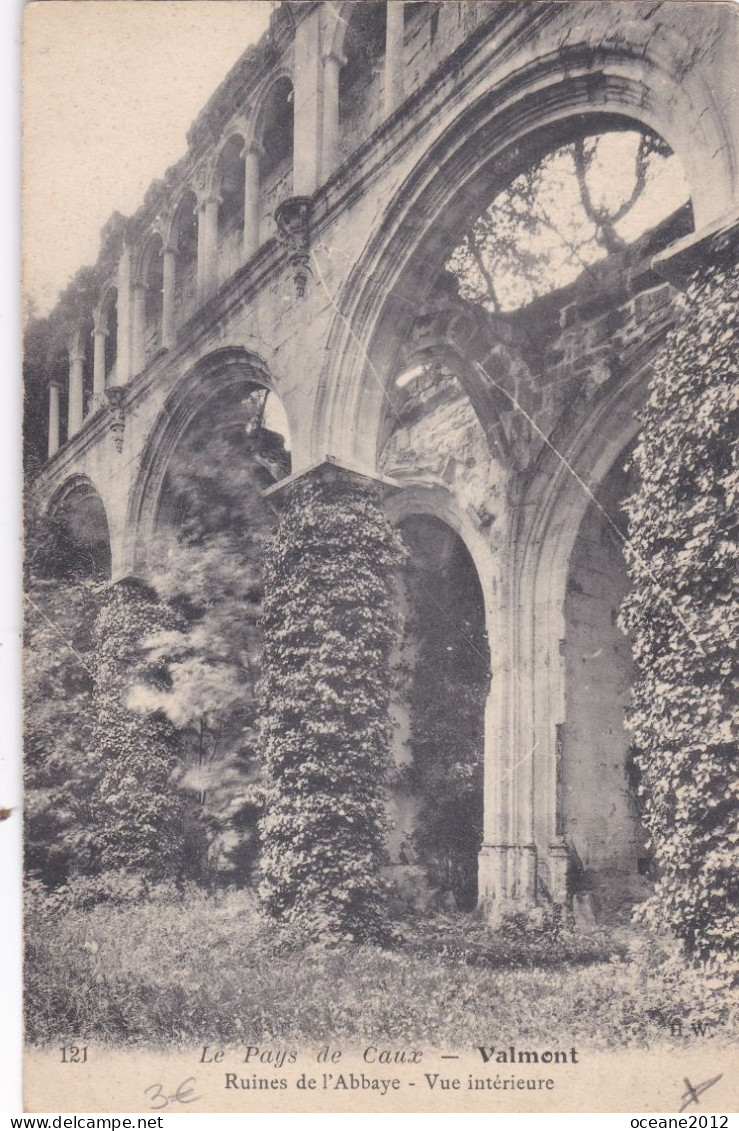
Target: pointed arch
[(81, 533), (218, 373), (544, 104)]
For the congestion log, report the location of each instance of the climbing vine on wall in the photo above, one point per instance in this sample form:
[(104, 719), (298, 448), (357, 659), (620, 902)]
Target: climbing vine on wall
[(329, 625), (138, 811), (682, 619)]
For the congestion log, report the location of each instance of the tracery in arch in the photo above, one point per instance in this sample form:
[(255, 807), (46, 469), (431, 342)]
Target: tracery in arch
[(234, 447)]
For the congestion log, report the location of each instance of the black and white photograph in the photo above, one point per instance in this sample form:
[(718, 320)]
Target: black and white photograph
[(379, 581)]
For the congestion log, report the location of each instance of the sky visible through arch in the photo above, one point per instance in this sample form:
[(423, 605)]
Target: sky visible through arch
[(109, 92), (538, 239)]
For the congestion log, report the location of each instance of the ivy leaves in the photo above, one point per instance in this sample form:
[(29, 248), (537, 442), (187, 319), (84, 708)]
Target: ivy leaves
[(329, 625), (683, 622)]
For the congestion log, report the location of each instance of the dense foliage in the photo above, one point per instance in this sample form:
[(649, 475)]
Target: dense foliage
[(59, 767), (682, 619), (138, 814), (329, 625)]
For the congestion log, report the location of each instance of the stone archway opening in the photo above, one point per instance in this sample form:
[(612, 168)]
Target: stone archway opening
[(598, 803), (153, 282), (571, 209), (230, 181), (185, 244), (526, 252), (274, 132), (443, 665), (237, 442), (361, 79), (529, 323), (206, 560), (78, 539)]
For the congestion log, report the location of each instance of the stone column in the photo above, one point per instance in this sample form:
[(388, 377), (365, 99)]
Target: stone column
[(168, 283), (251, 198), (394, 44), (75, 392), (98, 372), (508, 857), (53, 418), (208, 247), (138, 332), (201, 251), (307, 77), (123, 359), (332, 64)]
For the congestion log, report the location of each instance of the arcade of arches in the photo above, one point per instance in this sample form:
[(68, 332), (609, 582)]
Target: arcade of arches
[(409, 287)]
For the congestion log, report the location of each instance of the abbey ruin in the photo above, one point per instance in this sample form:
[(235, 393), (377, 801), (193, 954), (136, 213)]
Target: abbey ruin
[(298, 255)]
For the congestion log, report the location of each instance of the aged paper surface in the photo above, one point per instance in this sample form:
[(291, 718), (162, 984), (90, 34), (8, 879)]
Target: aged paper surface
[(416, 261)]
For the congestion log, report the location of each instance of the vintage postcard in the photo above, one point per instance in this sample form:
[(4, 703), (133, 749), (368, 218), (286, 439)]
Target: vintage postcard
[(380, 483)]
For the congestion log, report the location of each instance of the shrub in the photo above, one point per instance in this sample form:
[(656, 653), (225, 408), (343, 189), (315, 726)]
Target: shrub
[(138, 812)]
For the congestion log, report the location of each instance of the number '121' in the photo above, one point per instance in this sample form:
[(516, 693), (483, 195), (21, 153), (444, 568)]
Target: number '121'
[(74, 1054)]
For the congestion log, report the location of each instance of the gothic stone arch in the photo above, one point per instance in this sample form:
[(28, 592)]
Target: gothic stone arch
[(524, 856), (217, 373), (533, 110)]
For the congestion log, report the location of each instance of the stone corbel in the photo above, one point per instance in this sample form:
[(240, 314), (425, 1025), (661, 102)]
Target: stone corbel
[(116, 397), (292, 217)]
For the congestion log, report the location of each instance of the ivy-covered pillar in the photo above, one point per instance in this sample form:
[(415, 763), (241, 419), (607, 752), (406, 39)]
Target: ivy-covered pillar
[(681, 613), (329, 624)]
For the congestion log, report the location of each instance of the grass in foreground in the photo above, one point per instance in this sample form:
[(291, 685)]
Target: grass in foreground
[(198, 967)]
